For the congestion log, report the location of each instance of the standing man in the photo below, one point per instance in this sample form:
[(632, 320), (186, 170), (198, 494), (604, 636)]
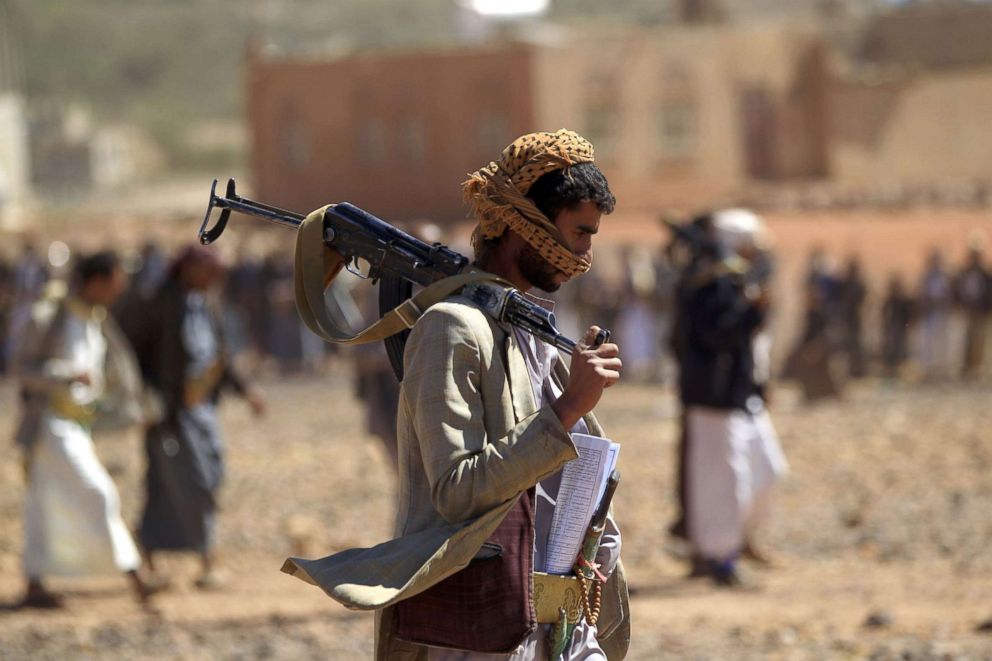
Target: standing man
[(484, 420), (936, 299), (177, 337), (973, 289), (898, 315), (733, 454), (852, 294), (76, 371)]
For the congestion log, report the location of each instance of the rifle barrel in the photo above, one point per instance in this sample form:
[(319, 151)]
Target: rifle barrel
[(270, 213)]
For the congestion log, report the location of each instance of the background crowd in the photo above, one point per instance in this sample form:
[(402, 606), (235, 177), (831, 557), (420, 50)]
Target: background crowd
[(931, 326), (185, 312)]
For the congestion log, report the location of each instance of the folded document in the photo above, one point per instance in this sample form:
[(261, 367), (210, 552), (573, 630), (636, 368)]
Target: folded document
[(583, 482)]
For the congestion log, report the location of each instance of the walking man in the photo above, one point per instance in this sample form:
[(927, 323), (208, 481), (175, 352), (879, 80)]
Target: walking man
[(484, 419), (177, 337), (76, 371)]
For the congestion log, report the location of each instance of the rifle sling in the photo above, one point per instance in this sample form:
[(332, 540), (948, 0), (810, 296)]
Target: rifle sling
[(316, 266)]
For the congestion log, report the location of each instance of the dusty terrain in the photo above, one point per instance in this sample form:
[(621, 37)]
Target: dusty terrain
[(886, 516)]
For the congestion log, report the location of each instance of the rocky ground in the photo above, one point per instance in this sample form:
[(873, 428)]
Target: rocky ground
[(882, 534)]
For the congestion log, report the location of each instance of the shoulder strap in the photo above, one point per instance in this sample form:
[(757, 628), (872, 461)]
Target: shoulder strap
[(316, 267)]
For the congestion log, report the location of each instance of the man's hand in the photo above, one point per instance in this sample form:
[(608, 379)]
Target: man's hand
[(256, 402), (593, 370)]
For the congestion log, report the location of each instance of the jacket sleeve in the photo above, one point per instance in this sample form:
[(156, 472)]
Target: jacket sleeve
[(721, 316), (469, 472)]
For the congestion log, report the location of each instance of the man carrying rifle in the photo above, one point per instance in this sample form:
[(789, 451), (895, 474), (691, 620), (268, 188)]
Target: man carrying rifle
[(484, 419)]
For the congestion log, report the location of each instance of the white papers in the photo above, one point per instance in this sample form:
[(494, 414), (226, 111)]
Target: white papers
[(583, 482)]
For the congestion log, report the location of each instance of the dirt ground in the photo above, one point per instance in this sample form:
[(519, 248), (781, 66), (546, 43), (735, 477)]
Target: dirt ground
[(886, 518)]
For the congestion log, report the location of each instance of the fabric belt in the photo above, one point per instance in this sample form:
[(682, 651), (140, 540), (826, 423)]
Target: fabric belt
[(64, 407), (555, 591)]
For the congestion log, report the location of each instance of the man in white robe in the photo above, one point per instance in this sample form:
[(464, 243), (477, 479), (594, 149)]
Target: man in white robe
[(76, 371), (734, 457)]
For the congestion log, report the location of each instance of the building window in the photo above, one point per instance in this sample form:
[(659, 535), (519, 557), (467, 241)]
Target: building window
[(295, 140), (677, 130), (492, 132), (372, 142), (413, 139), (599, 126)]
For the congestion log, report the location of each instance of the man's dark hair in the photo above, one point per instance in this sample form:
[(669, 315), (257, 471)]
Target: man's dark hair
[(98, 265), (559, 190)]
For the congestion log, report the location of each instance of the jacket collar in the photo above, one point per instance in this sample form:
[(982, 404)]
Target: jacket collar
[(521, 391)]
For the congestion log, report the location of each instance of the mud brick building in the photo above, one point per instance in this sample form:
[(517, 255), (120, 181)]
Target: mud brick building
[(681, 117)]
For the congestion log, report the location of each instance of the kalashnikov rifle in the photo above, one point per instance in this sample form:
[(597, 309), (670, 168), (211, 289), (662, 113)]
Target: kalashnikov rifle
[(396, 261)]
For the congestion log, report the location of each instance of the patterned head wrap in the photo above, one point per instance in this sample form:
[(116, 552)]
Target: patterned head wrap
[(497, 194)]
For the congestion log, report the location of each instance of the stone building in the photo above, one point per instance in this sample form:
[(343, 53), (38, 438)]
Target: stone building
[(677, 116), (682, 116), (15, 180), (910, 107)]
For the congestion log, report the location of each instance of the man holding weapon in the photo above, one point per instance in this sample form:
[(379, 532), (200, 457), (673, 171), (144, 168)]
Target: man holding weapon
[(486, 410)]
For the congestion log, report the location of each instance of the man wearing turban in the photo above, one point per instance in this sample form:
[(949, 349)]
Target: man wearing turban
[(484, 424)]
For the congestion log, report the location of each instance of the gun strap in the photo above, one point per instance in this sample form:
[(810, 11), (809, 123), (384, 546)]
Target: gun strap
[(316, 266)]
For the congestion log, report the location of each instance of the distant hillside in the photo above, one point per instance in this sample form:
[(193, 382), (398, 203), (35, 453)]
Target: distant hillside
[(163, 64), (166, 64)]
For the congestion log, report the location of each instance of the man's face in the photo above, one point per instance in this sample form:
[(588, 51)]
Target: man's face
[(105, 290), (201, 275), (577, 227)]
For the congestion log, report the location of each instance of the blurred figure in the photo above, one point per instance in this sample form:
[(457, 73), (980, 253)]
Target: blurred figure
[(6, 306), (244, 282), (694, 253), (734, 457), (595, 299), (936, 299), (27, 281), (377, 387), (761, 268), (284, 329), (76, 370), (30, 274), (147, 269), (637, 324), (974, 295), (177, 337), (151, 270), (851, 296), (898, 311), (375, 382), (666, 277), (810, 362)]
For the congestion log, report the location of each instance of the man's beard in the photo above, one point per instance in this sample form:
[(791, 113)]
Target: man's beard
[(537, 270)]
